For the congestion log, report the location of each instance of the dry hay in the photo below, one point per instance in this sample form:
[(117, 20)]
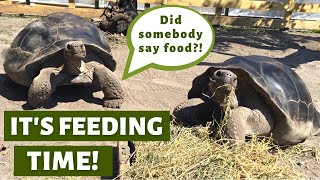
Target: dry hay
[(191, 154)]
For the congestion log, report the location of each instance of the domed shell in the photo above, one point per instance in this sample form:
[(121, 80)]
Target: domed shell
[(42, 39)]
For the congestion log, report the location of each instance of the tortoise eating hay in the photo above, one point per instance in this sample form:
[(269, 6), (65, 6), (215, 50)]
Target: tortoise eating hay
[(62, 49), (270, 99)]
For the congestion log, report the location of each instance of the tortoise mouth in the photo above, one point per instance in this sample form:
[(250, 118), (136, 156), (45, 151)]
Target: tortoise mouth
[(228, 87), (220, 85), (81, 52), (75, 55), (218, 92)]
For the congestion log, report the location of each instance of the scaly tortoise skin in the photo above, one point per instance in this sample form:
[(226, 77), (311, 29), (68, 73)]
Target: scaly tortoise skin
[(62, 49), (270, 100)]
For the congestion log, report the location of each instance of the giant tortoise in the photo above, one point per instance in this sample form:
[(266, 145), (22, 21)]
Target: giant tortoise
[(270, 99), (62, 49)]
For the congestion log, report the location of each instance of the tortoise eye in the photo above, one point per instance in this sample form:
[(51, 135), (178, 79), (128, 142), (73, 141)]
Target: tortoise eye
[(68, 46), (218, 73)]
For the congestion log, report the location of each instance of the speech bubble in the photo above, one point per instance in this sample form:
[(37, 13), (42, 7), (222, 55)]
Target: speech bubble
[(167, 37)]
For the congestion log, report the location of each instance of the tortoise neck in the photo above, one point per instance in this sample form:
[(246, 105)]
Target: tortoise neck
[(74, 66)]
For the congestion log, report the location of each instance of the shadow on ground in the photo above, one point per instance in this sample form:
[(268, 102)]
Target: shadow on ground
[(270, 40), (15, 92)]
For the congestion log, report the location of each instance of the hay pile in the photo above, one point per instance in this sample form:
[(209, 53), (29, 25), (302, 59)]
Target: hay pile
[(191, 154)]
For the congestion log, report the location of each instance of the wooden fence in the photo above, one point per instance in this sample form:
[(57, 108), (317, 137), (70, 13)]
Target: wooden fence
[(7, 6)]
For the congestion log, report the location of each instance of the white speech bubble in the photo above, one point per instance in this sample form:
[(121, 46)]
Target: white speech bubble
[(168, 38)]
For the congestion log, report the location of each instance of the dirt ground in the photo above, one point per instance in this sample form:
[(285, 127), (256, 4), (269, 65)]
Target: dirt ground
[(161, 90)]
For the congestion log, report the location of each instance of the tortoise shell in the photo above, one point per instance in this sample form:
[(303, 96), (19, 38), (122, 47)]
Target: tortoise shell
[(275, 82), (42, 40)]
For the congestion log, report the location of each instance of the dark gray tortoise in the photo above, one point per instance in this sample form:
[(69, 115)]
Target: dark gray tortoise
[(62, 49), (270, 98)]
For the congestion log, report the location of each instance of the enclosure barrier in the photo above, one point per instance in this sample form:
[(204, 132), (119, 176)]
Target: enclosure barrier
[(8, 6)]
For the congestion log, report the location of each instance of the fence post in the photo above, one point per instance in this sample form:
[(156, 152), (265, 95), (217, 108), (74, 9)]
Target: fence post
[(96, 4), (218, 11), (72, 4), (146, 6), (226, 12), (288, 13)]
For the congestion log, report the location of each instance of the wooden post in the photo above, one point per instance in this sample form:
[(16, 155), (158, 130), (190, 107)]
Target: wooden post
[(27, 2), (218, 11), (96, 4), (226, 11), (146, 6), (72, 4), (288, 13)]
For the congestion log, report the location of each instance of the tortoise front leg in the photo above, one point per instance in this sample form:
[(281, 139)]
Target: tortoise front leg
[(42, 87), (243, 121), (111, 87)]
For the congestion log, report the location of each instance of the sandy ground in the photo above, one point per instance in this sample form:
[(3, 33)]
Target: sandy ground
[(160, 90)]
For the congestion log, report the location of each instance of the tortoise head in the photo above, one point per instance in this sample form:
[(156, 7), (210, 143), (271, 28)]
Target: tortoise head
[(74, 50), (220, 85)]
